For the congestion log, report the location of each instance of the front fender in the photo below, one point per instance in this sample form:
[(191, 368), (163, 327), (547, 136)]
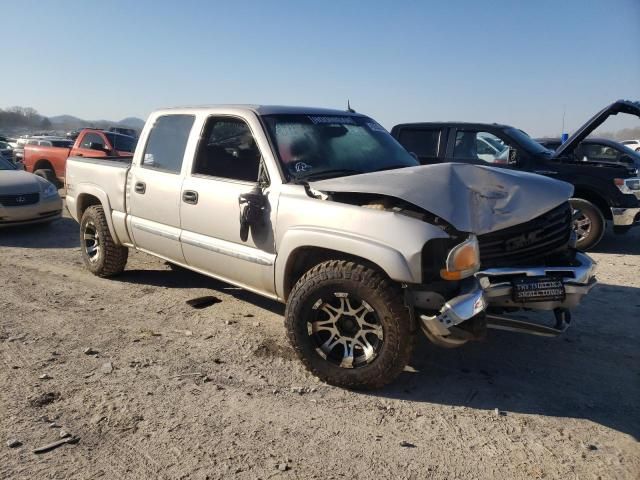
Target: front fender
[(393, 262)]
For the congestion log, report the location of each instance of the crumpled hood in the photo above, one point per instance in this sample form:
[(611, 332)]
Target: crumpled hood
[(472, 198), (15, 182)]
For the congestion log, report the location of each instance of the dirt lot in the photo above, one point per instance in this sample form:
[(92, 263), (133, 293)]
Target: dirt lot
[(177, 392)]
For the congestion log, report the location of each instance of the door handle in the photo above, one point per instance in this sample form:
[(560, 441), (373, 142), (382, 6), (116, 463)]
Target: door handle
[(140, 187), (189, 196), (545, 172), (79, 155)]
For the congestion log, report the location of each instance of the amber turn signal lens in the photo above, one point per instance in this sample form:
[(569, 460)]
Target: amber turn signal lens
[(463, 260)]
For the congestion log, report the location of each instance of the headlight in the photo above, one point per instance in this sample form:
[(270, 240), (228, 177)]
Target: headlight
[(627, 185), (463, 260), (49, 191)]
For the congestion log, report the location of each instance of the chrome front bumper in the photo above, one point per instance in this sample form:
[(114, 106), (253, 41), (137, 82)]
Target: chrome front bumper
[(493, 288), (625, 216), (577, 280)]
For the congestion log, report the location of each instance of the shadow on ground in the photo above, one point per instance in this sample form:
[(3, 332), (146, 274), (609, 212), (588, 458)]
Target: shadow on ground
[(628, 243), (177, 277), (62, 233), (590, 372)]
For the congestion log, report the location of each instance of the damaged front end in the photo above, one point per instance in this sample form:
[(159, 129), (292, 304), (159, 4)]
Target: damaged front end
[(527, 268), (510, 247)]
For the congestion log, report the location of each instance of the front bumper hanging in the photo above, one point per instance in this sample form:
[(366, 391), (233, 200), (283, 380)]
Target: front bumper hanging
[(494, 288)]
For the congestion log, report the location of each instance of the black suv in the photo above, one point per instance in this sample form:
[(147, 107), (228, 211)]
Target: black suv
[(603, 190)]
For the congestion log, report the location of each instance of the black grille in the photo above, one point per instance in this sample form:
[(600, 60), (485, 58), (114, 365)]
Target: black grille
[(19, 200), (529, 242)]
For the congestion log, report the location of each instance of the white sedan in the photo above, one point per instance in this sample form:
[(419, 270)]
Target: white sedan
[(26, 198), (632, 144)]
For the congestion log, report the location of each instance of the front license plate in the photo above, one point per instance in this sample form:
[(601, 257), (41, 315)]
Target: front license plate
[(537, 289)]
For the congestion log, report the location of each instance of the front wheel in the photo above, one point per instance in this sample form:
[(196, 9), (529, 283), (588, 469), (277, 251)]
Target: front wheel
[(101, 255), (588, 223), (349, 326)]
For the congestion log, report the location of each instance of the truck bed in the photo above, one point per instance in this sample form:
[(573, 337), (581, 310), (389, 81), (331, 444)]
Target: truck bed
[(104, 177)]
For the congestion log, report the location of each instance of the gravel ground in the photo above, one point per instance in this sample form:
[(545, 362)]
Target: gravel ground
[(169, 391)]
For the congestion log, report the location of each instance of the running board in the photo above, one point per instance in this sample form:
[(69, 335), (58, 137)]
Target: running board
[(498, 322)]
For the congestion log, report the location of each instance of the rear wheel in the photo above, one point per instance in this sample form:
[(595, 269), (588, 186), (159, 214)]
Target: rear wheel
[(588, 223), (349, 326), (101, 255), (48, 174)]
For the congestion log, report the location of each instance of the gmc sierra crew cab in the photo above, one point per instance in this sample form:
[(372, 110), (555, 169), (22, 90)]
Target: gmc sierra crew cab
[(324, 211), (49, 159), (603, 191)]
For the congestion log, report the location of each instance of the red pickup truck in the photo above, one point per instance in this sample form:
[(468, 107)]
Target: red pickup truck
[(49, 159)]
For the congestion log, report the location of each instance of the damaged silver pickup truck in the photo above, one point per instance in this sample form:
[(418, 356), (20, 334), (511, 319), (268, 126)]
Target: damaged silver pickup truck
[(323, 210)]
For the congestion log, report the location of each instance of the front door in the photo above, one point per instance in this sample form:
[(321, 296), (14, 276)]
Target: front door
[(226, 166), (155, 186)]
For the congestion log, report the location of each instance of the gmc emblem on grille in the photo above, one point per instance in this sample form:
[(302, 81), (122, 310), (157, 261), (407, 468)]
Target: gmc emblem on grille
[(523, 240), (20, 199)]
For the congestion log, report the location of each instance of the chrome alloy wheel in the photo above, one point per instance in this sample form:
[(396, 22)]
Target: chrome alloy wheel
[(345, 330), (582, 226), (91, 240)]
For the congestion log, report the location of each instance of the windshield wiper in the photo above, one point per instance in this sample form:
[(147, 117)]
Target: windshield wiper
[(323, 174)]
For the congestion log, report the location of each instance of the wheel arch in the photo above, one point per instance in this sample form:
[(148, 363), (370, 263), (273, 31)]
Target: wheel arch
[(94, 196), (302, 250), (598, 200), (43, 164)]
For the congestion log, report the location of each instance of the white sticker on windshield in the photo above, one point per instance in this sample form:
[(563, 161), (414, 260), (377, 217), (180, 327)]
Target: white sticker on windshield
[(322, 119), (302, 167), (376, 127)]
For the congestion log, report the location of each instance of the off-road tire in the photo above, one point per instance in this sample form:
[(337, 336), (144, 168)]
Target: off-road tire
[(112, 257), (49, 175), (380, 293), (597, 220)]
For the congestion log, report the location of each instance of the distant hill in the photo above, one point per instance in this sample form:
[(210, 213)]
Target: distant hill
[(70, 122), (133, 122)]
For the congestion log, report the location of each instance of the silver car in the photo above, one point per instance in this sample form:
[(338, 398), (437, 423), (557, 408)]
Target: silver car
[(26, 198)]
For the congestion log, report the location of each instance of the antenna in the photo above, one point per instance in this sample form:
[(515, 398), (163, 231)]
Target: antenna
[(349, 109)]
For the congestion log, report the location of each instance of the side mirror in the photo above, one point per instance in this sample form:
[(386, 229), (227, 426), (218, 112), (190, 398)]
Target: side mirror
[(97, 146), (252, 209)]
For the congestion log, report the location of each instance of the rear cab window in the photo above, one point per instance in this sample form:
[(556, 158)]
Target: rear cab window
[(167, 142), (424, 142)]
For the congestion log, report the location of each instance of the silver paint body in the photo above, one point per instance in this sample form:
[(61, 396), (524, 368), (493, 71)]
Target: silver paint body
[(206, 237)]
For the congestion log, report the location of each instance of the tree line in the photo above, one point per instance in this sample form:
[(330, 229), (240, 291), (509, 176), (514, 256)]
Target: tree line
[(23, 117)]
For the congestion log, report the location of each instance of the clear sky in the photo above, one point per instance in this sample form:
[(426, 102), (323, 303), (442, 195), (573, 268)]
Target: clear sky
[(515, 62)]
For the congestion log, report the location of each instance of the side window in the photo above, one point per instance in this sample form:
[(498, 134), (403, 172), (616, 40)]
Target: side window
[(599, 151), (424, 143), (480, 146), (166, 143), (228, 150), (90, 138)]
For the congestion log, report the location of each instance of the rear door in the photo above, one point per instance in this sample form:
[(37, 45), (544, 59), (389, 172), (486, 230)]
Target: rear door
[(155, 184), (426, 142), (226, 165)]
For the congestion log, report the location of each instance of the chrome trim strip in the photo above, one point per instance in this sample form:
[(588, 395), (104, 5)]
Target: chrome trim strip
[(155, 231), (230, 249)]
